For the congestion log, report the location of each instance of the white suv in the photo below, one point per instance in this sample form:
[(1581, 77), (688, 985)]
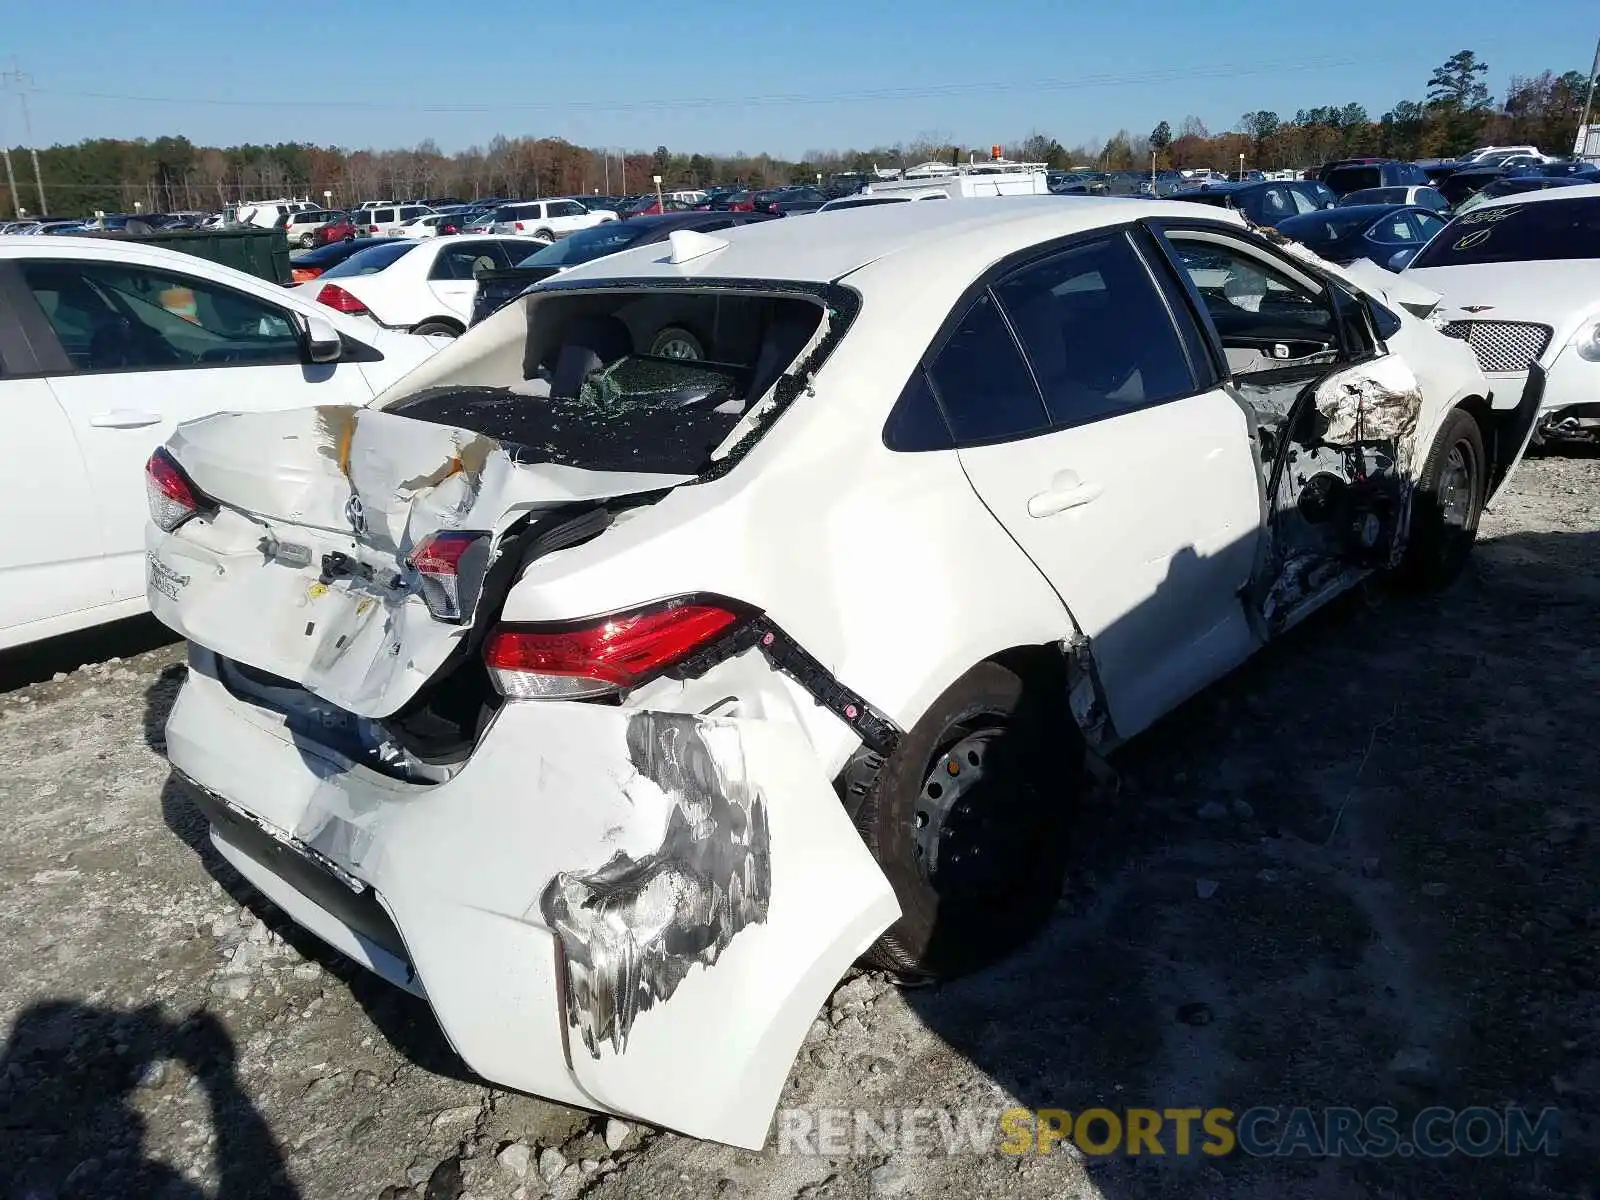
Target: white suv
[(386, 221), (548, 219), (615, 702), (301, 227)]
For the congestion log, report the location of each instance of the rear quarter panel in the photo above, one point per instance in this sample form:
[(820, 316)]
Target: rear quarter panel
[(885, 566)]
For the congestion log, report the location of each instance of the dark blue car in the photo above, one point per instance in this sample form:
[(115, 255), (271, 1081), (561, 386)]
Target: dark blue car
[(1375, 231), (1268, 204)]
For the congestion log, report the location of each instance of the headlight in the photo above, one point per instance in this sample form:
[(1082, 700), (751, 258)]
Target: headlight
[(1587, 342)]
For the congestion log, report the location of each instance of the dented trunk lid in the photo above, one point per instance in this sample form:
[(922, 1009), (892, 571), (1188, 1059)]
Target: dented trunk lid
[(303, 570)]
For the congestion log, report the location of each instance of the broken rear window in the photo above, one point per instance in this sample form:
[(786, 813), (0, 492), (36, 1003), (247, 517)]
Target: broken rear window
[(647, 378)]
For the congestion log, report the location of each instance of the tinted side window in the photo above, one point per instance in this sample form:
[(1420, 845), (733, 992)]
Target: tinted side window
[(1427, 224), (1391, 230), (457, 261), (112, 317), (1274, 203), (982, 382), (916, 422), (1096, 331), (1302, 202)]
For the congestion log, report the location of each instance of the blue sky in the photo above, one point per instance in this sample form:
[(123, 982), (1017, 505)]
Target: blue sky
[(713, 75)]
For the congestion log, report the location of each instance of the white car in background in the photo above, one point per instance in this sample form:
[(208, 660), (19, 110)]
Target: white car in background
[(432, 225), (1420, 195), (422, 285), (843, 203), (386, 221), (1520, 277), (301, 227), (614, 703), (548, 219), (107, 346), (270, 214)]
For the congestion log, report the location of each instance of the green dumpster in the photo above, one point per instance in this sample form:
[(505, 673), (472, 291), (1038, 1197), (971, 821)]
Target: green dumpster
[(263, 253)]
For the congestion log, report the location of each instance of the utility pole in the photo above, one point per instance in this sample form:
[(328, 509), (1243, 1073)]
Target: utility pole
[(19, 79), (1582, 148), (11, 182)]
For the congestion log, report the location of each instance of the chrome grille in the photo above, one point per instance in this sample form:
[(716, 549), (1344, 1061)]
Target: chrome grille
[(1502, 345)]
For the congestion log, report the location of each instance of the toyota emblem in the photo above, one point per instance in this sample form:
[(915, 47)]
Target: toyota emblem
[(355, 514)]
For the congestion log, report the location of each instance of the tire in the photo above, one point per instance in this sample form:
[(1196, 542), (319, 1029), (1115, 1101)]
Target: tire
[(677, 342), (306, 241), (545, 234), (1446, 505), (966, 910), (440, 327)]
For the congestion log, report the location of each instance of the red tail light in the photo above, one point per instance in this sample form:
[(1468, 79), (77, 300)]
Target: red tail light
[(609, 655), (450, 568), (335, 297), (519, 226), (173, 499)]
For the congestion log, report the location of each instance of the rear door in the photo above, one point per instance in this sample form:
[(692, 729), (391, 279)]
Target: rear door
[(144, 349), (566, 216), (453, 276), (1092, 423), (48, 568)]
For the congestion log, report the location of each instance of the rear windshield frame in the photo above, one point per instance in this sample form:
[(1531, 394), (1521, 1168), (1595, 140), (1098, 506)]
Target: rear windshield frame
[(840, 306)]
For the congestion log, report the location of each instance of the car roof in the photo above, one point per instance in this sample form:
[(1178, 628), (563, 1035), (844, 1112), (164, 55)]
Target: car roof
[(1576, 191), (690, 219), (1371, 212), (989, 229)]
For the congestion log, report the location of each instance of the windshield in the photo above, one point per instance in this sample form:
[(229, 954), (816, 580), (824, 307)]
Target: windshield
[(370, 260), (629, 378), (1542, 230), (584, 245)]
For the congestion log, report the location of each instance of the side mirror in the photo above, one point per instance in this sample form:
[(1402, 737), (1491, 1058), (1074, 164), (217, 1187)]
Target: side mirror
[(1399, 259), (323, 343)]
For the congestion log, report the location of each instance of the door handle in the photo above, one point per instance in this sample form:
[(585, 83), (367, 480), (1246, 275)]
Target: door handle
[(124, 418), (1059, 499)]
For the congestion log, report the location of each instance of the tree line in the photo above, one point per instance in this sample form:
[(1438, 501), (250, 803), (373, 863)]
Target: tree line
[(171, 173)]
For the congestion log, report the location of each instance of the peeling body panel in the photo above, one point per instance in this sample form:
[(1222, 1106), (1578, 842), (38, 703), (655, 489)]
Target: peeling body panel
[(1340, 487), (680, 890), (1376, 401), (303, 570), (632, 929)]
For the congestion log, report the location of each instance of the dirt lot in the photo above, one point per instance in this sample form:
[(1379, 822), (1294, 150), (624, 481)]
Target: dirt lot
[(1364, 872)]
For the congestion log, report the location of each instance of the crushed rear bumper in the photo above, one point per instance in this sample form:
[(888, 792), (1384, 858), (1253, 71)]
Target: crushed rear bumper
[(634, 911)]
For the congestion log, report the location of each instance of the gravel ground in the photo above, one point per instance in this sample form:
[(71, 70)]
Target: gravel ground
[(1360, 872)]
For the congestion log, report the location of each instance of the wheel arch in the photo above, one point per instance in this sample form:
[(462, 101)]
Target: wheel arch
[(454, 322)]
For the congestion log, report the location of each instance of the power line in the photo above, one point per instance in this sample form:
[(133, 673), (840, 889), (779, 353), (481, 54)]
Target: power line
[(921, 92)]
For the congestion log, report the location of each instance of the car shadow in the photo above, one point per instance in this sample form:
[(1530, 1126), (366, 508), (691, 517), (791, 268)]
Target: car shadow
[(1358, 872), (65, 653), (71, 1078)]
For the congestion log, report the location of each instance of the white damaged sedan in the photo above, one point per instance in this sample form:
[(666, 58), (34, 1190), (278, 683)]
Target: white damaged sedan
[(617, 703)]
